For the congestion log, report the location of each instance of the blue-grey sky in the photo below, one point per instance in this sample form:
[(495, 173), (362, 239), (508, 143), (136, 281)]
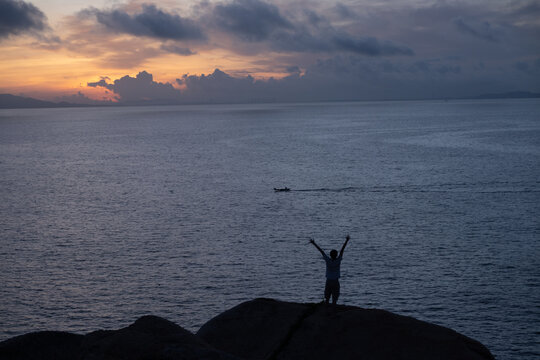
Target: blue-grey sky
[(256, 50)]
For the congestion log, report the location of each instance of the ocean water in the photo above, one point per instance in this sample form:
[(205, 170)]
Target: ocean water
[(108, 214)]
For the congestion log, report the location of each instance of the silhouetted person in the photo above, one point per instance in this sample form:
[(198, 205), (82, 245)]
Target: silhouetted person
[(333, 264)]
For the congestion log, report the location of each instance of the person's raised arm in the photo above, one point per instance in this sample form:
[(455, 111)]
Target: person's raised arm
[(344, 244), (317, 246)]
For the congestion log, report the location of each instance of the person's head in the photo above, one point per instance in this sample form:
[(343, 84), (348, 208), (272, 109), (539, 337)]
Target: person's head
[(333, 253)]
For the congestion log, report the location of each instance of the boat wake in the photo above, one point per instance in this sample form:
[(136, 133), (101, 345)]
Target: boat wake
[(486, 187)]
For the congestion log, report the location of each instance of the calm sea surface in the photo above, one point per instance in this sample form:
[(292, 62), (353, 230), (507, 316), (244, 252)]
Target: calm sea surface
[(107, 214)]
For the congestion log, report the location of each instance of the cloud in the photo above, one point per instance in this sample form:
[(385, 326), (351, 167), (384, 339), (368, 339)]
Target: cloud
[(532, 69), (344, 12), (100, 34), (325, 51), (525, 10), (150, 22), (141, 88), (337, 78), (126, 56), (294, 69), (333, 41), (101, 83), (307, 31), (80, 98), (175, 49), (239, 27), (521, 66), (369, 46), (18, 17), (221, 87), (85, 37), (483, 30), (251, 20), (217, 87)]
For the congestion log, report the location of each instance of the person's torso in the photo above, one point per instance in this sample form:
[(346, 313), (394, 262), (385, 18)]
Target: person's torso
[(333, 268)]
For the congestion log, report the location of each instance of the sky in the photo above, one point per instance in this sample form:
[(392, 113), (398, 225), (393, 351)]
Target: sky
[(229, 51)]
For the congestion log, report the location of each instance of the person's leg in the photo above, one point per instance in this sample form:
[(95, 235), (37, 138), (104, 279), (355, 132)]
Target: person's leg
[(327, 291), (335, 292)]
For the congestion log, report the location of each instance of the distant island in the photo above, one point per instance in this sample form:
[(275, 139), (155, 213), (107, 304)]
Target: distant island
[(260, 329), (9, 101)]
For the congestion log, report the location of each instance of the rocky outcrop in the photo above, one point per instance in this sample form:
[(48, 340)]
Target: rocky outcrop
[(259, 329), (254, 329), (269, 329), (148, 338), (42, 345)]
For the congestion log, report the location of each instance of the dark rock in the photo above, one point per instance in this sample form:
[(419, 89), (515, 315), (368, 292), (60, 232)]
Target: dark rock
[(43, 345), (259, 329), (150, 337), (254, 328), (269, 329)]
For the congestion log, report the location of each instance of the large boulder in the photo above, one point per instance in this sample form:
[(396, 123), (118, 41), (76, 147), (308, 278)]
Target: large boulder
[(259, 329), (149, 338), (42, 345), (253, 329), (269, 329)]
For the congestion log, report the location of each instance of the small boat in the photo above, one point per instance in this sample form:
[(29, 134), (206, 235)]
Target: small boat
[(282, 189)]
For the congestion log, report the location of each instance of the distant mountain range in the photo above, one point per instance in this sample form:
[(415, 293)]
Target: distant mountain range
[(8, 101)]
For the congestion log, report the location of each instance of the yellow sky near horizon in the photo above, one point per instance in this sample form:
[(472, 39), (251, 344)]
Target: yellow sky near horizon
[(48, 74), (43, 73)]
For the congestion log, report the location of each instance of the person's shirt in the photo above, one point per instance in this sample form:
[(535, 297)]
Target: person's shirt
[(332, 267)]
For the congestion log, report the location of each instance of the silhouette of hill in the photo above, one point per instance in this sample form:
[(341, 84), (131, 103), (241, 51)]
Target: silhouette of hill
[(8, 101), (509, 95)]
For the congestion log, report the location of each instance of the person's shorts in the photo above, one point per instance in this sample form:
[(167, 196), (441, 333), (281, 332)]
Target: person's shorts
[(331, 288)]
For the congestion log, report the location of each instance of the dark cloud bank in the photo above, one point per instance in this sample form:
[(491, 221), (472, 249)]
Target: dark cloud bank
[(254, 21), (251, 20), (17, 17), (149, 21), (243, 26), (336, 79), (141, 88), (337, 52)]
